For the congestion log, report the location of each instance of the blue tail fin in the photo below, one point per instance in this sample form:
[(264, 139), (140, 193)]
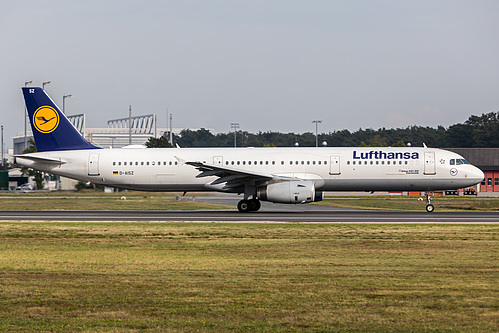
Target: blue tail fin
[(51, 129)]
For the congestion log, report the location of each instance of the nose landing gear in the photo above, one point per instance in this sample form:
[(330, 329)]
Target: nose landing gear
[(429, 207)]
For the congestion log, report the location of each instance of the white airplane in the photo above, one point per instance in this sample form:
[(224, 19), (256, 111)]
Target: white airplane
[(280, 175)]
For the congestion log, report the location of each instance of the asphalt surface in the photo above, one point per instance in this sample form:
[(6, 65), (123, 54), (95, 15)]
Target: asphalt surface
[(264, 216)]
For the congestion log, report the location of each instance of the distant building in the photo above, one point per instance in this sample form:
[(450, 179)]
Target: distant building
[(487, 159), (116, 135)]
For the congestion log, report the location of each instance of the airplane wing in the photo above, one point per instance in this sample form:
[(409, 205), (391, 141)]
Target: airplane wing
[(232, 177)]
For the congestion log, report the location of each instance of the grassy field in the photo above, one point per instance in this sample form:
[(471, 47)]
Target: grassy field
[(90, 200), (131, 277), (412, 203), (101, 201)]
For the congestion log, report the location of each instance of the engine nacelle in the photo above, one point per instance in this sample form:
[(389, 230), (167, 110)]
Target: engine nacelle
[(296, 191)]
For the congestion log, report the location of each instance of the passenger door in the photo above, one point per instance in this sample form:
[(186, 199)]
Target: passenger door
[(93, 164), (334, 165), (429, 164)]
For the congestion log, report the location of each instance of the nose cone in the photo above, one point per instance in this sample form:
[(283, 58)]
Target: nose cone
[(476, 175)]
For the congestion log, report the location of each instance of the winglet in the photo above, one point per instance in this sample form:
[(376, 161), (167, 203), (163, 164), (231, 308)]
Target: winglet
[(51, 129)]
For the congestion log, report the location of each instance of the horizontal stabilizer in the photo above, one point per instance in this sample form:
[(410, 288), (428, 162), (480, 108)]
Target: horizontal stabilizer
[(41, 159)]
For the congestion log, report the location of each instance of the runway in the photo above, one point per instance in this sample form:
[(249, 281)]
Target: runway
[(233, 216)]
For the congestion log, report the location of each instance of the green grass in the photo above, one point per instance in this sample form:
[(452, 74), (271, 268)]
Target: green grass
[(196, 277), (102, 202), (412, 203), (91, 200)]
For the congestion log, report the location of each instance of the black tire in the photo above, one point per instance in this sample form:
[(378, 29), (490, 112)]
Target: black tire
[(244, 206), (255, 205), (430, 208)]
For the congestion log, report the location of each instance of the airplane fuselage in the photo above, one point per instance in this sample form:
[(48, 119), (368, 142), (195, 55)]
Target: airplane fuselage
[(331, 169)]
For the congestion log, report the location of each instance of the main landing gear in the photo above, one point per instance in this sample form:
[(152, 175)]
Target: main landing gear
[(429, 207), (246, 206)]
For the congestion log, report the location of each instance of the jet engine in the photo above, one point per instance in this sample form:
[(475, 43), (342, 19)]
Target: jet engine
[(294, 192)]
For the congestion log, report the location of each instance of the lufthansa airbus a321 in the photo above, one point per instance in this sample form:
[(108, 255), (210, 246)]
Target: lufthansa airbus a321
[(280, 175)]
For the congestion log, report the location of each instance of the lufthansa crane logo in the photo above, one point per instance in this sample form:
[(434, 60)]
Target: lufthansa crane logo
[(46, 119)]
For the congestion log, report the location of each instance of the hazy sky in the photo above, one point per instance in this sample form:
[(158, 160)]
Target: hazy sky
[(271, 65)]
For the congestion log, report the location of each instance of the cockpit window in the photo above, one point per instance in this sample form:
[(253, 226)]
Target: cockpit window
[(458, 161)]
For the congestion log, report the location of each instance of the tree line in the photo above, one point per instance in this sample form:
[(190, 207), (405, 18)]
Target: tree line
[(476, 132)]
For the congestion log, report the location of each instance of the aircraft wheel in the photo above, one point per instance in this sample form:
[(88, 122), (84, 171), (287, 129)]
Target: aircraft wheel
[(244, 206), (430, 208), (255, 205)]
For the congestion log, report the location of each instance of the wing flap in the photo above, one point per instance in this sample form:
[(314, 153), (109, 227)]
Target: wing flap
[(232, 177)]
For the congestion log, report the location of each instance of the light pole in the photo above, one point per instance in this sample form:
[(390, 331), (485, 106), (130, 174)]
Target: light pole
[(26, 119), (64, 103), (235, 126), (3, 159), (317, 122), (44, 83)]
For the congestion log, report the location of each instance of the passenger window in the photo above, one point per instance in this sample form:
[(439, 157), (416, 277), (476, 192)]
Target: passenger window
[(136, 163), (238, 162), (282, 162), (176, 162), (266, 162), (320, 162), (352, 162), (273, 162), (371, 162), (141, 163), (348, 163), (170, 163), (119, 163), (114, 163), (147, 163), (152, 162)]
